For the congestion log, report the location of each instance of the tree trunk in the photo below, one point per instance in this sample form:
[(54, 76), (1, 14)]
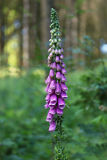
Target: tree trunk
[(83, 20), (20, 36), (71, 26), (93, 26), (2, 32), (44, 24), (74, 31), (33, 8), (26, 38), (82, 25), (68, 24), (74, 27)]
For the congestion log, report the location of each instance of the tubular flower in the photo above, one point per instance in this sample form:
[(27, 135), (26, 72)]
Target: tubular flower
[(56, 87)]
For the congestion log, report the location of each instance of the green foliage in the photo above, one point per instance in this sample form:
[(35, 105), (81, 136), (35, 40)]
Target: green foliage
[(87, 119), (24, 134), (85, 49), (23, 131)]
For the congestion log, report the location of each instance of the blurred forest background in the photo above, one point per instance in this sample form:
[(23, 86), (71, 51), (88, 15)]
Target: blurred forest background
[(24, 35), (24, 29)]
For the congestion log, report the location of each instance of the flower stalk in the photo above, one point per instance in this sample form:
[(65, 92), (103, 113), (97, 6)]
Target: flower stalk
[(56, 88)]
